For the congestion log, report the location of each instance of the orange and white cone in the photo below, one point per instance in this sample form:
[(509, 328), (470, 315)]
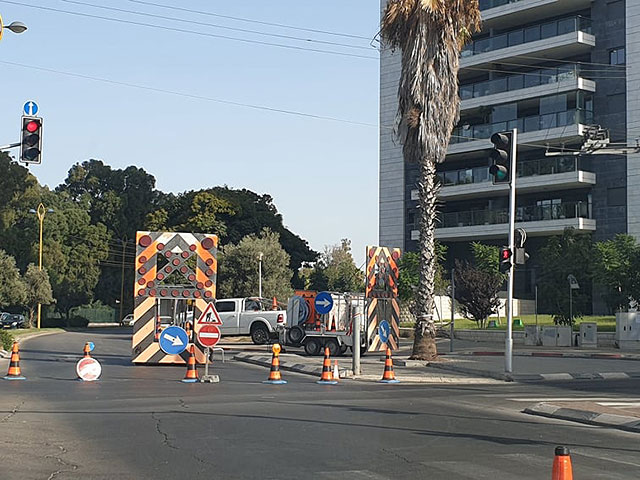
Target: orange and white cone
[(388, 376), (192, 372), (274, 375), (336, 371), (327, 377), (562, 469), (14, 365), (158, 329), (86, 350)]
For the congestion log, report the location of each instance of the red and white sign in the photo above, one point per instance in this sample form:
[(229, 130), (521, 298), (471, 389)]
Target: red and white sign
[(210, 316), (88, 369), (209, 335)]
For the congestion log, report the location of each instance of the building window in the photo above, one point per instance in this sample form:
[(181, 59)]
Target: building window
[(617, 56)]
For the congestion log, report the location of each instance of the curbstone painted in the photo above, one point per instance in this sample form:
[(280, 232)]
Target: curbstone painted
[(621, 422)]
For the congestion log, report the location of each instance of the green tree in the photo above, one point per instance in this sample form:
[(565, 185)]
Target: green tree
[(12, 288), (38, 289), (335, 270), (409, 273), (561, 256), (430, 35), (616, 268), (476, 292), (486, 258), (238, 268)]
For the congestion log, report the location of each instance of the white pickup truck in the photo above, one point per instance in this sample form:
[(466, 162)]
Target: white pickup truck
[(249, 316)]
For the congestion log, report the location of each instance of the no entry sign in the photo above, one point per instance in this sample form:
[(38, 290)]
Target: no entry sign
[(88, 369), (208, 335)]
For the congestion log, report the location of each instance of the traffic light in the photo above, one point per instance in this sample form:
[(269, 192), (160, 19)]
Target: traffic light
[(500, 170), (521, 256), (506, 259), (31, 140)]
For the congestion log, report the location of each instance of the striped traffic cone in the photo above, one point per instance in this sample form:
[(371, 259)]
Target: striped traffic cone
[(327, 377), (14, 365), (274, 375), (86, 350), (192, 372), (562, 469), (388, 376), (158, 329)]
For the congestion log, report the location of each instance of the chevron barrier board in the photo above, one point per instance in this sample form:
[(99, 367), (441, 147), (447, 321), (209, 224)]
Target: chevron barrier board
[(170, 266), (381, 296)]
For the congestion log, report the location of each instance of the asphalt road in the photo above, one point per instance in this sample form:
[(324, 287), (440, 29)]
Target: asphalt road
[(141, 422)]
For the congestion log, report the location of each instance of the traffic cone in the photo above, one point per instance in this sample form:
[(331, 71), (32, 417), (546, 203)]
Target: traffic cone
[(327, 377), (158, 329), (388, 376), (274, 305), (333, 324), (336, 371), (192, 372), (562, 469), (14, 365), (274, 375), (86, 350)]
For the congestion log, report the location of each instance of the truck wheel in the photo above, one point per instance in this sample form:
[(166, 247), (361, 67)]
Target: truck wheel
[(312, 347), (259, 334), (343, 349), (296, 334), (334, 348)]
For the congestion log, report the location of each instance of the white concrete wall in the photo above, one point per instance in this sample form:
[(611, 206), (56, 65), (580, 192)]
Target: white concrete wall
[(633, 115)]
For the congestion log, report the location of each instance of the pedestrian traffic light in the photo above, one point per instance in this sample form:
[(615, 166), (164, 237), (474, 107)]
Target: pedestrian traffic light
[(31, 140), (506, 259), (500, 170)]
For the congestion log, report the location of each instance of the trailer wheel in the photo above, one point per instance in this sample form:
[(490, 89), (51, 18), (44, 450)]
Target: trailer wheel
[(259, 334), (296, 334), (334, 348), (312, 347), (343, 349)]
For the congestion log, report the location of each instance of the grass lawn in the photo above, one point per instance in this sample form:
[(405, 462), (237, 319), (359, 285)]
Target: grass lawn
[(605, 323), (20, 332)]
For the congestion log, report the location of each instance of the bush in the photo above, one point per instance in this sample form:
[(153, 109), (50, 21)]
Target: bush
[(78, 322), (6, 340), (74, 322)]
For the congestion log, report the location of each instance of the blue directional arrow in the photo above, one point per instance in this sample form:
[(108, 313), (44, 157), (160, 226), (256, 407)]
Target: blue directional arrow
[(323, 303), (30, 108), (173, 340), (384, 329)]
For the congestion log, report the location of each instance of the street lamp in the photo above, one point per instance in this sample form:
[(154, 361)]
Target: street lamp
[(15, 27), (41, 212), (573, 285), (260, 275)]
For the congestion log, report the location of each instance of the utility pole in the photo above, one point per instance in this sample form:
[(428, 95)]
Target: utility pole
[(453, 309), (124, 244), (260, 275)]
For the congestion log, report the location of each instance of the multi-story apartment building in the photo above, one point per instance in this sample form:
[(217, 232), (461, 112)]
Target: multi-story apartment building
[(549, 68)]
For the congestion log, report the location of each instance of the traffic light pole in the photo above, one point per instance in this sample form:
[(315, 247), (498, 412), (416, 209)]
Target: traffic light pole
[(508, 349)]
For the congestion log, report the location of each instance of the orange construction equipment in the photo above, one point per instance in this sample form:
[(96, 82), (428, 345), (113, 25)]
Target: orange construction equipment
[(327, 377), (86, 350), (274, 375), (14, 365), (562, 469), (388, 376), (274, 304), (192, 372)]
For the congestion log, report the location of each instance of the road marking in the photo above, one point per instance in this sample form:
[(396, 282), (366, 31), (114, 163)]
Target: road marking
[(619, 404), (573, 399)]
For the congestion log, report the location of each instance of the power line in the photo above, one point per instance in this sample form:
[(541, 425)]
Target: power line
[(214, 25), (240, 19), (193, 32), (189, 95)]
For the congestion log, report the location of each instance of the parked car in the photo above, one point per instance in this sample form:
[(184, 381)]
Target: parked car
[(249, 316), (127, 321), (13, 320)]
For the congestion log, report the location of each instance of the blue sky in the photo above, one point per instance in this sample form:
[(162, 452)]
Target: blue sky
[(322, 174)]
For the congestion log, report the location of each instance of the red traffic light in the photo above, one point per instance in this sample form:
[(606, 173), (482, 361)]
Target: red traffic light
[(505, 253), (32, 126)]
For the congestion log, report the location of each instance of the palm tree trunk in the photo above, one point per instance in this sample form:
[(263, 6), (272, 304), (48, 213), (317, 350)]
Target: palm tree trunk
[(424, 344)]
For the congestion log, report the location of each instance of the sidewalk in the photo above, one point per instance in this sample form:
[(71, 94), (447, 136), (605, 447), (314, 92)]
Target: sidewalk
[(620, 415)]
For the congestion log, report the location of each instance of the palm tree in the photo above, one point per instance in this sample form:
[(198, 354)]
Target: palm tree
[(430, 35)]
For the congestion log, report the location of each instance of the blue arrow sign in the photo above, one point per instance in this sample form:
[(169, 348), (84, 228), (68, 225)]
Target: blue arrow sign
[(384, 329), (91, 346), (173, 340), (323, 303), (30, 108)]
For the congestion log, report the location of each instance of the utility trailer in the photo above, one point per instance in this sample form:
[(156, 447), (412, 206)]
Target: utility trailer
[(307, 328)]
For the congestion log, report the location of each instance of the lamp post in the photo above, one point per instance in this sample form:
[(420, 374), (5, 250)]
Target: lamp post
[(260, 275), (41, 212), (15, 27)]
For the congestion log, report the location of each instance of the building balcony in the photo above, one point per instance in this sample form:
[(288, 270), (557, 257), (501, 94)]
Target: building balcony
[(560, 127), (555, 39), (512, 88), (537, 220), (504, 13), (541, 175)]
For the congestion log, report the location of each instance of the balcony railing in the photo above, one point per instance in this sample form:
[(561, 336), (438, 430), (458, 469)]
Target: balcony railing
[(528, 34), (519, 81), (532, 213), (487, 4), (527, 168), (526, 124)]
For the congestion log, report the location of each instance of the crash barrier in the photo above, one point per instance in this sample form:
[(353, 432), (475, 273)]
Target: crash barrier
[(14, 372), (388, 376), (275, 378), (562, 469), (326, 378)]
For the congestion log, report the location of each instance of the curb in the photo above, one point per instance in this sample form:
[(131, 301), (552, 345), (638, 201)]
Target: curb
[(599, 356), (284, 365), (537, 377), (620, 422)]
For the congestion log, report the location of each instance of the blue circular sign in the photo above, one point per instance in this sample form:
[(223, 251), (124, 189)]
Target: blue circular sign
[(30, 108), (173, 340), (384, 329), (91, 346), (323, 303)]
